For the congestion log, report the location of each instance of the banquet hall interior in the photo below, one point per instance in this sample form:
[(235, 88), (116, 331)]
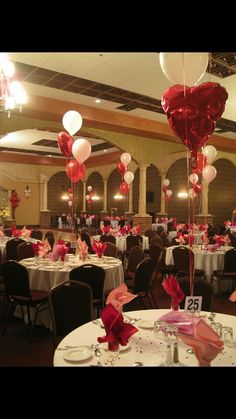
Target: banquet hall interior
[(128, 158)]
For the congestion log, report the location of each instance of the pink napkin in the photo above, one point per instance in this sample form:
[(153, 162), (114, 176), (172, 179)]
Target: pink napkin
[(206, 343), (213, 247), (63, 250), (44, 248), (99, 247), (120, 296), (171, 287), (233, 297), (83, 247), (36, 247), (117, 332)]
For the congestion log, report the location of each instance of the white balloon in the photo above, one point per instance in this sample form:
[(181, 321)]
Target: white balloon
[(209, 173), (89, 188), (184, 67), (81, 150), (166, 182), (210, 152), (169, 192), (129, 177), (191, 193), (125, 158), (72, 121), (193, 178)]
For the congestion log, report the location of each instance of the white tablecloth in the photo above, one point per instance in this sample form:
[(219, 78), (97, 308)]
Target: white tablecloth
[(47, 275), (144, 347), (209, 261), (121, 242)]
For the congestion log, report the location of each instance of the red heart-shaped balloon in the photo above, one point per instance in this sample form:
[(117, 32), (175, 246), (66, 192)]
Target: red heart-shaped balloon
[(193, 111), (65, 143)]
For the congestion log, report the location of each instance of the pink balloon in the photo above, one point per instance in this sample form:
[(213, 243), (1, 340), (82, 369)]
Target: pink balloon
[(81, 150), (209, 173)]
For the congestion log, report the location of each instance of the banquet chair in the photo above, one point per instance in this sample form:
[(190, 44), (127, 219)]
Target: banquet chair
[(70, 306), (232, 238), (107, 238), (2, 285), (84, 236), (7, 232), (181, 255), (11, 248), (201, 288), (136, 255), (25, 250), (37, 234), (143, 283), (95, 277), (229, 271), (111, 250), (149, 233), (16, 280)]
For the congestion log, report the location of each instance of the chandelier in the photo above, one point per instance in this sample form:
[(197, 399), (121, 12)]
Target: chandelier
[(12, 94)]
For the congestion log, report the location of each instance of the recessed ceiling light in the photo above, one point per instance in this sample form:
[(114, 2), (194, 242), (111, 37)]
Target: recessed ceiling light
[(97, 101), (105, 151)]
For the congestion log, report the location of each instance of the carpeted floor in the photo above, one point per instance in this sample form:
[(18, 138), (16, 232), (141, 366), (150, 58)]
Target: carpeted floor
[(15, 351)]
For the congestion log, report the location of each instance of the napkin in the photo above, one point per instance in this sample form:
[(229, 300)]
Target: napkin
[(83, 247), (117, 332), (120, 296), (206, 343), (99, 247), (44, 248), (233, 297), (36, 247), (213, 247), (184, 320), (171, 287)]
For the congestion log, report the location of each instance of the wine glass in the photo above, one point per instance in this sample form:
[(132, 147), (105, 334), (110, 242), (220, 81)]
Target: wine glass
[(113, 351)]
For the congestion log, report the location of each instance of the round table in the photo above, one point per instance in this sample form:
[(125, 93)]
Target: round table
[(144, 347)]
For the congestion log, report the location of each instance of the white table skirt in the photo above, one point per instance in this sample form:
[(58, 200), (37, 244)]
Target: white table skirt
[(121, 242), (144, 347)]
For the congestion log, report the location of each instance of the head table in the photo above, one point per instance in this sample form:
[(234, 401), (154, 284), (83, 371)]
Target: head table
[(143, 346)]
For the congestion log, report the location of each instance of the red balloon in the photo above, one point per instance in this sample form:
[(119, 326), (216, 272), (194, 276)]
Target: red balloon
[(75, 170), (164, 188), (197, 188), (65, 143), (124, 188), (193, 111), (201, 163), (121, 167)]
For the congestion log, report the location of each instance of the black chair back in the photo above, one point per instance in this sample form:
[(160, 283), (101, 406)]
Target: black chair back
[(201, 287), (143, 276), (108, 238), (25, 250), (71, 306), (37, 234), (11, 248)]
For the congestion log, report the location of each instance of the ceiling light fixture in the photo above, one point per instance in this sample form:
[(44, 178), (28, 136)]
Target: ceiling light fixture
[(12, 94), (182, 195), (97, 101)]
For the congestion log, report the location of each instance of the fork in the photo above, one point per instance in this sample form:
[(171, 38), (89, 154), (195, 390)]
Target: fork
[(90, 347)]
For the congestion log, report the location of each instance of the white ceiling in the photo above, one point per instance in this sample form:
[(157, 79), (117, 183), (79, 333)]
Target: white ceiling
[(136, 72)]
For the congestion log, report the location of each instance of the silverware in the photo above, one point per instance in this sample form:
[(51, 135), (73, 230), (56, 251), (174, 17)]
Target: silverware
[(90, 347)]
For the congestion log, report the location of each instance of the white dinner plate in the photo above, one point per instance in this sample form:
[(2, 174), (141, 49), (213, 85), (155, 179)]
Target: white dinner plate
[(78, 354), (145, 324)]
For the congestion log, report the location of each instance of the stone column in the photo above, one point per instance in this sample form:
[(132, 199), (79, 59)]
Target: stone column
[(142, 218), (45, 214), (104, 210), (204, 216), (163, 212), (130, 202), (84, 199)]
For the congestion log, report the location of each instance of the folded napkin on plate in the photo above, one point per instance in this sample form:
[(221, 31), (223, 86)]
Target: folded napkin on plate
[(117, 332), (171, 287), (120, 296), (185, 321), (99, 247), (44, 248), (206, 343)]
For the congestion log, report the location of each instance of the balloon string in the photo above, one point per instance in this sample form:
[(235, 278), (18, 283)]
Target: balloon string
[(188, 173)]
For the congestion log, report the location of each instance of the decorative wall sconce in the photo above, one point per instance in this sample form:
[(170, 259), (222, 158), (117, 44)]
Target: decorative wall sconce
[(27, 191)]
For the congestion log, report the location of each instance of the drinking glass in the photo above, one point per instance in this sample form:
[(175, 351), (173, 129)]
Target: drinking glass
[(113, 351)]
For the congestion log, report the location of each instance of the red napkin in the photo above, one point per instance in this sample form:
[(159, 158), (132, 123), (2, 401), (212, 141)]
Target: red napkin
[(120, 296), (63, 250), (36, 247), (117, 332), (171, 287), (206, 343), (99, 247)]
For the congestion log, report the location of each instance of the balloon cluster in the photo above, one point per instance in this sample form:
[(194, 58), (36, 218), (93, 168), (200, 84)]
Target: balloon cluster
[(14, 199), (89, 197), (127, 177), (70, 197), (167, 192), (80, 148), (203, 166)]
